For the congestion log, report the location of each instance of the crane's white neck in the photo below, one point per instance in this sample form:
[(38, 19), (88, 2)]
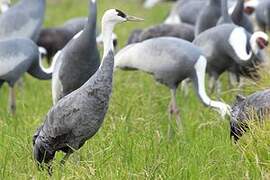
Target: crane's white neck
[(200, 68), (107, 31)]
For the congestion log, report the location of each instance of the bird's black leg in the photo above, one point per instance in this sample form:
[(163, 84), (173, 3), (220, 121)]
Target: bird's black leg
[(20, 83), (174, 110), (65, 158), (12, 100), (184, 86), (233, 80), (215, 85)]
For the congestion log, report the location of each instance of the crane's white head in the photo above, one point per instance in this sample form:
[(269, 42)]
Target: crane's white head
[(115, 16), (240, 41), (109, 20)]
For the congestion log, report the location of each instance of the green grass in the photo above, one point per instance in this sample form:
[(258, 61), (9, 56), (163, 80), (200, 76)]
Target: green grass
[(133, 141)]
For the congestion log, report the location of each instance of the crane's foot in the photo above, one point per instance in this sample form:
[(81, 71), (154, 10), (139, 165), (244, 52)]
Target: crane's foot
[(65, 158), (12, 109), (174, 111)]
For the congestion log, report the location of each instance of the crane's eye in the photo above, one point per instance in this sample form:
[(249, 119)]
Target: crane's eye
[(121, 14)]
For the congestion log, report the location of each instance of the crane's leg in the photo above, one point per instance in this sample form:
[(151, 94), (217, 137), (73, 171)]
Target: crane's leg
[(20, 83), (184, 87), (65, 158), (12, 100), (215, 85), (174, 110), (233, 80)]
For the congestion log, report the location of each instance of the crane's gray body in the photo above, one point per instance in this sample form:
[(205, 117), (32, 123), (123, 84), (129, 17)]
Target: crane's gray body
[(75, 24), (77, 116), (17, 56), (240, 18), (183, 31), (208, 17), (134, 36), (254, 107), (77, 61), (170, 60), (221, 57), (54, 39), (24, 19), (263, 14)]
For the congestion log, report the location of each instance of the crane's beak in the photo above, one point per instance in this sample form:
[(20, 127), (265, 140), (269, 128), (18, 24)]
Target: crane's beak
[(133, 18)]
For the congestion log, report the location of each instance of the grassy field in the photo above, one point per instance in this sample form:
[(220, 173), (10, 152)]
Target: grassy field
[(133, 141)]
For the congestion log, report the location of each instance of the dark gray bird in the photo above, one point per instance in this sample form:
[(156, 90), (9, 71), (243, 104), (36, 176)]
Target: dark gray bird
[(254, 107), (17, 56), (182, 31), (24, 19), (185, 11), (263, 15), (134, 36), (208, 17), (170, 60), (78, 60), (55, 38), (227, 44), (4, 5), (240, 18), (75, 24), (78, 116)]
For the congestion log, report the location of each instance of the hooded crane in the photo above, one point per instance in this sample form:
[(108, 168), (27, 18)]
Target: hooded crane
[(78, 116), (24, 19), (208, 17), (55, 38), (170, 60), (4, 5), (78, 60), (230, 48), (17, 56), (254, 107)]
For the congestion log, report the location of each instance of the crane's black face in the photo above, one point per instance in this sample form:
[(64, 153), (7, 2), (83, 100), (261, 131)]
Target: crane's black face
[(121, 14)]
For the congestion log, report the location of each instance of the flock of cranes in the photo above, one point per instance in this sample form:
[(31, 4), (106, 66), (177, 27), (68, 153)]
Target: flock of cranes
[(218, 38)]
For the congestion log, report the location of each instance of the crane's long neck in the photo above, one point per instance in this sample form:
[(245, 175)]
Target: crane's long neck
[(225, 14), (107, 31), (238, 11), (90, 28), (200, 68), (214, 2)]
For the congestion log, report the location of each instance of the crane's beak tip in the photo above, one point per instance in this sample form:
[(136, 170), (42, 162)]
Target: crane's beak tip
[(134, 19)]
